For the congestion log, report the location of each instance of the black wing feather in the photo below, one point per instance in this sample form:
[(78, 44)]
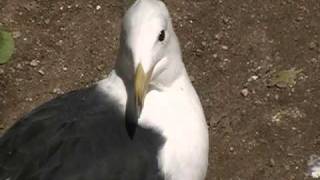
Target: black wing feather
[(78, 136)]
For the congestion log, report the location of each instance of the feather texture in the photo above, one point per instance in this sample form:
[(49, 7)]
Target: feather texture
[(78, 136)]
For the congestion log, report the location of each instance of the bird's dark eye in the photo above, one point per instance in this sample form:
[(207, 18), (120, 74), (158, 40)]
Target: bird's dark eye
[(162, 36)]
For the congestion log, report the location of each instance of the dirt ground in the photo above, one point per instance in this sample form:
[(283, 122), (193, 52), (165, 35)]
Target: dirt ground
[(259, 129)]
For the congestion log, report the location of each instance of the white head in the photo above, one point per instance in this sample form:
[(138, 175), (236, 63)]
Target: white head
[(149, 47)]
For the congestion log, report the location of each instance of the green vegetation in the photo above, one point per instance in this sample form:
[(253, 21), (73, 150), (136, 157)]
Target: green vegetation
[(285, 78), (6, 46)]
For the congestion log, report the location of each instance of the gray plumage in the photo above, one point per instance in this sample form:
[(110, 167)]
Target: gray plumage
[(78, 136)]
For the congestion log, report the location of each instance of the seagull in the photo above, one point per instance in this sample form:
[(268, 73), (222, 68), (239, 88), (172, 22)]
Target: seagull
[(143, 122)]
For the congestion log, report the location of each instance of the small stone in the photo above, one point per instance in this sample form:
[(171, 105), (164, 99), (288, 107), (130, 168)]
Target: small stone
[(1, 71), (29, 99), (16, 34), (19, 66), (57, 91), (192, 79), (98, 7), (253, 78), (218, 36), (312, 45), (47, 21), (245, 92), (198, 52), (224, 47), (287, 167), (300, 18), (203, 43), (100, 67), (60, 42), (231, 149), (41, 72), (34, 63), (272, 162), (213, 121), (225, 20), (314, 60), (226, 60), (64, 68), (13, 70)]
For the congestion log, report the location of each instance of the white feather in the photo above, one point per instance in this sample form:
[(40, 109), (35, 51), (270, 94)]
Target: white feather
[(177, 113), (171, 105)]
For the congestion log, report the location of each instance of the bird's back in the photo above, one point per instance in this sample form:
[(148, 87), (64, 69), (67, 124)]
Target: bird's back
[(80, 135)]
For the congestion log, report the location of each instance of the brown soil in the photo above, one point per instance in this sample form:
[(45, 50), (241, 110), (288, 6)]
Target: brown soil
[(231, 48)]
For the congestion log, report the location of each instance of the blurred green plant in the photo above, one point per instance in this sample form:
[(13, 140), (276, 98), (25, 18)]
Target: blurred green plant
[(285, 78), (6, 46), (131, 2)]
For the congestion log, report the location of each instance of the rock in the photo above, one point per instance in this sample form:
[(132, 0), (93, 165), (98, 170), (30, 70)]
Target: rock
[(19, 66), (57, 91), (192, 79), (60, 42), (312, 45), (218, 36), (41, 72), (16, 34), (29, 99), (47, 21), (204, 43), (272, 162), (300, 18), (224, 47), (231, 149), (253, 78), (100, 67), (34, 63), (245, 92)]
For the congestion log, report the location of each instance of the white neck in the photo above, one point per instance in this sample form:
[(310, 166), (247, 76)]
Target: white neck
[(172, 107), (176, 112)]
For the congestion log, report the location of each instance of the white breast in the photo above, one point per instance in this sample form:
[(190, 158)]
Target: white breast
[(177, 113), (114, 87)]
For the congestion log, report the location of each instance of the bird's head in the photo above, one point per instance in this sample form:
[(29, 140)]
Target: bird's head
[(150, 46)]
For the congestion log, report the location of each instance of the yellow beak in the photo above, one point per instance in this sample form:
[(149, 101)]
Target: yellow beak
[(141, 84)]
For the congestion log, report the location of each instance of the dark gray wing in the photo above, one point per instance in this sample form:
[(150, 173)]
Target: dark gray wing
[(78, 136)]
